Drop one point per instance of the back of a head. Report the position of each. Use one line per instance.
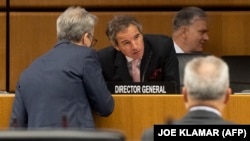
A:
(74, 22)
(186, 16)
(206, 78)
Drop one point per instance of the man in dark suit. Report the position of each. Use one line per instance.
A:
(63, 86)
(206, 92)
(156, 54)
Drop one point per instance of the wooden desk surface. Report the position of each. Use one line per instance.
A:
(134, 113)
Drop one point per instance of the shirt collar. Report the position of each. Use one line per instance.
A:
(129, 59)
(177, 48)
(206, 108)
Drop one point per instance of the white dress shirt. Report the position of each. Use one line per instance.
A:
(177, 48)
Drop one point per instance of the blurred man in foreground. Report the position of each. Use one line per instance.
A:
(206, 92)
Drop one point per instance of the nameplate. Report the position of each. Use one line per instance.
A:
(142, 87)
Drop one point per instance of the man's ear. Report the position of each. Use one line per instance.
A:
(184, 92)
(228, 93)
(184, 32)
(85, 35)
(185, 97)
(84, 38)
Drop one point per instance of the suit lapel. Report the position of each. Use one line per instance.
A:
(121, 67)
(146, 63)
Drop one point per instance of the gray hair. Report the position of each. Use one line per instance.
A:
(119, 23)
(75, 22)
(187, 16)
(206, 78)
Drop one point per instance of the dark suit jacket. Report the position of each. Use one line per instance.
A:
(159, 62)
(65, 82)
(197, 117)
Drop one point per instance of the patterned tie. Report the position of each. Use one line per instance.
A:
(135, 70)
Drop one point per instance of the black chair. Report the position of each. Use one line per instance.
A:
(183, 58)
(62, 135)
(239, 70)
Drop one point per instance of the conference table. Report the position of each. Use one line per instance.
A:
(135, 112)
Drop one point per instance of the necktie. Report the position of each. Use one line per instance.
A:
(135, 70)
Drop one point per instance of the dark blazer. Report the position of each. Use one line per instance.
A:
(159, 62)
(61, 88)
(197, 117)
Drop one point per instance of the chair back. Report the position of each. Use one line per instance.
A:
(239, 71)
(183, 58)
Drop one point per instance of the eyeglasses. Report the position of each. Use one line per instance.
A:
(93, 40)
